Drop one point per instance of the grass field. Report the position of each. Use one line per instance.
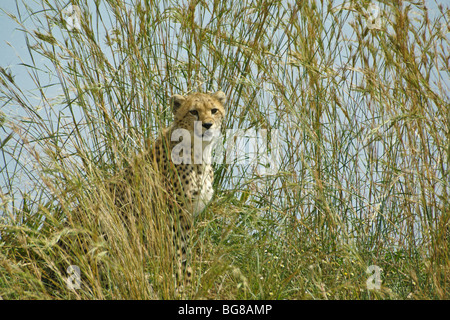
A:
(357, 208)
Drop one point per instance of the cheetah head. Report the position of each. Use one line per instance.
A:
(199, 113)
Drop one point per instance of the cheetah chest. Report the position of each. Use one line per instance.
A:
(198, 188)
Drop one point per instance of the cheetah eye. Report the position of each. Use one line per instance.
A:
(213, 111)
(194, 112)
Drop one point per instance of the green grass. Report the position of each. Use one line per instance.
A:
(362, 115)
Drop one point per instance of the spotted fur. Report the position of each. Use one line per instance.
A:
(182, 156)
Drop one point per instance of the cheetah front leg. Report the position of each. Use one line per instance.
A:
(181, 238)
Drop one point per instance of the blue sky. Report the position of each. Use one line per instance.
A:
(12, 41)
(13, 45)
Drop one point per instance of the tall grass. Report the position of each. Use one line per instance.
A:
(358, 94)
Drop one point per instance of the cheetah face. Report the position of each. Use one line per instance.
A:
(199, 113)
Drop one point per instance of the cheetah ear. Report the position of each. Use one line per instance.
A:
(175, 102)
(220, 96)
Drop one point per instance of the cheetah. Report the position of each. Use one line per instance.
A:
(181, 156)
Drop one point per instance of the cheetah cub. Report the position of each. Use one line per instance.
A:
(183, 157)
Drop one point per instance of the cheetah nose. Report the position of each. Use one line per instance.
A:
(207, 125)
